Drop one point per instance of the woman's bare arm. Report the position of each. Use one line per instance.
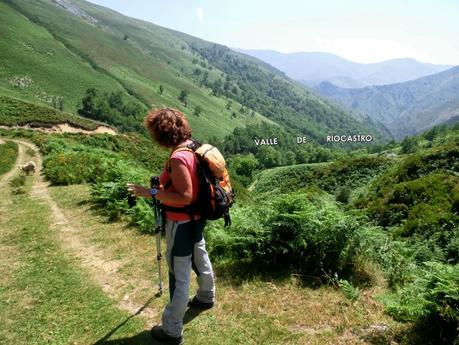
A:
(181, 181)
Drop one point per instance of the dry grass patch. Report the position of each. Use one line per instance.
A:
(114, 252)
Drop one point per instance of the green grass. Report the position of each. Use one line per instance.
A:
(8, 154)
(45, 298)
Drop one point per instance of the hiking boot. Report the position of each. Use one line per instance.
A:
(197, 304)
(158, 333)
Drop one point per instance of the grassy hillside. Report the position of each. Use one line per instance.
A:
(109, 52)
(48, 70)
(105, 62)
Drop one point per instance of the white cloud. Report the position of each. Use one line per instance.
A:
(200, 14)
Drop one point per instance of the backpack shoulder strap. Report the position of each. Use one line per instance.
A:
(192, 147)
(183, 148)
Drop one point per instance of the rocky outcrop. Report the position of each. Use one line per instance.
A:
(75, 10)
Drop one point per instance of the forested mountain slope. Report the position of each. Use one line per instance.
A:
(405, 108)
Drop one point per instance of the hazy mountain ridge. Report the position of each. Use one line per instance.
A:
(405, 108)
(312, 68)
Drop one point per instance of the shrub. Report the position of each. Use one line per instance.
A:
(343, 194)
(243, 240)
(78, 158)
(16, 113)
(17, 181)
(351, 173)
(425, 208)
(349, 291)
(394, 258)
(114, 198)
(8, 154)
(136, 148)
(410, 145)
(310, 233)
(441, 159)
(420, 197)
(432, 295)
(70, 167)
(306, 232)
(142, 215)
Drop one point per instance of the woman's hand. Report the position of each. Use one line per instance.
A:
(138, 191)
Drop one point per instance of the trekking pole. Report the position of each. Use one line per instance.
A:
(158, 226)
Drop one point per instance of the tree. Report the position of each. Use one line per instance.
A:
(217, 87)
(244, 165)
(391, 144)
(183, 97)
(161, 89)
(289, 158)
(409, 145)
(197, 110)
(115, 100)
(268, 156)
(226, 86)
(432, 134)
(88, 103)
(205, 77)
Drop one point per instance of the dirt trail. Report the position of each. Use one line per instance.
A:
(102, 270)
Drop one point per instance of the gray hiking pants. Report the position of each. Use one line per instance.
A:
(185, 250)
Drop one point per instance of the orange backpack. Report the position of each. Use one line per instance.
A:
(215, 196)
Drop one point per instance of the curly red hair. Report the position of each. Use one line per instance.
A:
(167, 126)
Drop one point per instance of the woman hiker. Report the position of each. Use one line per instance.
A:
(185, 245)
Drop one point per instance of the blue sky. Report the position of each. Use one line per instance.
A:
(360, 30)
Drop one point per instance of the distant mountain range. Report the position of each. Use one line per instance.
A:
(312, 68)
(404, 108)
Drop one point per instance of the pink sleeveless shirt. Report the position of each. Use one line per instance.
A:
(189, 160)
